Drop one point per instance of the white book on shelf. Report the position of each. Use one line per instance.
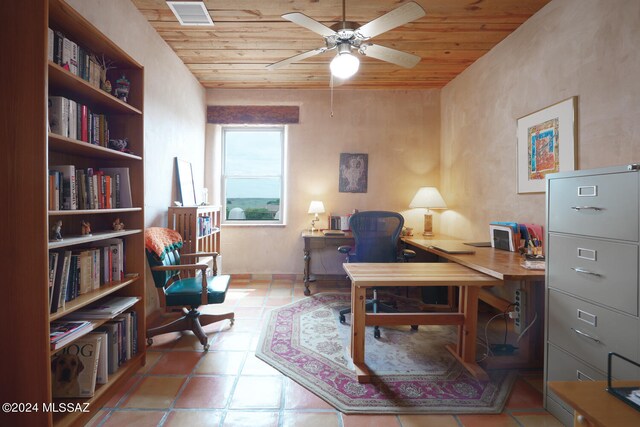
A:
(107, 308)
(59, 115)
(70, 196)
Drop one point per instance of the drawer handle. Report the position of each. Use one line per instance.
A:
(582, 270)
(579, 332)
(587, 208)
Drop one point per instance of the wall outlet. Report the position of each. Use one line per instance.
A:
(520, 318)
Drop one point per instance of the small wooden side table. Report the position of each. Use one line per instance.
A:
(593, 406)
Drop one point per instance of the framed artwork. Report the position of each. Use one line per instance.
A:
(186, 189)
(546, 144)
(353, 172)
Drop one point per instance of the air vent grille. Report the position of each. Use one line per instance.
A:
(190, 12)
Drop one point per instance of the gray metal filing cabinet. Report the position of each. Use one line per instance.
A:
(592, 295)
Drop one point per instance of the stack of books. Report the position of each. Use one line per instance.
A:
(63, 332)
(533, 262)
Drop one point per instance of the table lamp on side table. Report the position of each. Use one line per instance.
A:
(315, 207)
(429, 198)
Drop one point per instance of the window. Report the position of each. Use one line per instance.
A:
(253, 175)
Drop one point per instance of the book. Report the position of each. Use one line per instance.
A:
(123, 186)
(50, 40)
(111, 330)
(74, 368)
(62, 332)
(105, 309)
(59, 115)
(102, 376)
(69, 190)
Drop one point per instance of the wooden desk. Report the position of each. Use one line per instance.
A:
(367, 275)
(594, 406)
(317, 240)
(505, 266)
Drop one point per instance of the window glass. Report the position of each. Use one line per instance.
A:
(253, 175)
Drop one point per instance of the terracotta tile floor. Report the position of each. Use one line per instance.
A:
(228, 386)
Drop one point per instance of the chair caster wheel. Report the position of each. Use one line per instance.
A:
(376, 333)
(206, 347)
(414, 327)
(149, 341)
(231, 322)
(342, 319)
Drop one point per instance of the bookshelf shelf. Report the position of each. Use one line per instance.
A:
(63, 81)
(93, 296)
(93, 211)
(68, 145)
(94, 237)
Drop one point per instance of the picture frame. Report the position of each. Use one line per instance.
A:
(546, 144)
(186, 188)
(353, 172)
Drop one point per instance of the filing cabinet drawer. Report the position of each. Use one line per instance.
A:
(590, 332)
(596, 270)
(598, 205)
(565, 367)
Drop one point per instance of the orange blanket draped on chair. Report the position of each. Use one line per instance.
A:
(159, 240)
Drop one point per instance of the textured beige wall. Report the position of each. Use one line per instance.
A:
(584, 48)
(174, 108)
(400, 130)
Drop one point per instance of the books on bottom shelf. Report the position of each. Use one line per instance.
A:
(62, 332)
(107, 308)
(74, 368)
(91, 358)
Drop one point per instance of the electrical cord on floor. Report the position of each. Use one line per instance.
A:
(486, 343)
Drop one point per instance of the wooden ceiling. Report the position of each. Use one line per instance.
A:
(248, 35)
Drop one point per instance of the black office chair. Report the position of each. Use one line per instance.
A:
(376, 235)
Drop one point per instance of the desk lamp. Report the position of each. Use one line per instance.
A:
(429, 198)
(315, 207)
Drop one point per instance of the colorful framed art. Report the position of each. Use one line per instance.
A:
(546, 144)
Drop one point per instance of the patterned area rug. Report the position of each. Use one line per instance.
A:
(415, 373)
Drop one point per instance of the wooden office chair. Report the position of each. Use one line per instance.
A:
(178, 284)
(376, 235)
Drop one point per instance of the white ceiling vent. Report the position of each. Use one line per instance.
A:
(190, 12)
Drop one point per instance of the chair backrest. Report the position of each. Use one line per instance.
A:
(376, 235)
(161, 278)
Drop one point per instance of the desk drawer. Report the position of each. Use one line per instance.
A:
(591, 332)
(598, 205)
(599, 271)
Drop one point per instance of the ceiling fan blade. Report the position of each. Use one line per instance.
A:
(309, 23)
(296, 58)
(398, 57)
(397, 17)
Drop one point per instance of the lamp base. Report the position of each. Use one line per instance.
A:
(428, 225)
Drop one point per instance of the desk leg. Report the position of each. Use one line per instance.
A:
(358, 310)
(306, 275)
(465, 351)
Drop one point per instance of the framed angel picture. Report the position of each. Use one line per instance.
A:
(546, 144)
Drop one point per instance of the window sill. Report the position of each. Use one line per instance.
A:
(251, 224)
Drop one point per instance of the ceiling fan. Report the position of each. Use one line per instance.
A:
(347, 37)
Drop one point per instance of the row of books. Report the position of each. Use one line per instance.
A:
(73, 120)
(76, 272)
(91, 358)
(204, 226)
(339, 222)
(104, 188)
(76, 59)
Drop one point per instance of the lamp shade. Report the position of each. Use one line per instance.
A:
(316, 207)
(428, 197)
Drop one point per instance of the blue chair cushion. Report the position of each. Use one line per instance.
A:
(188, 291)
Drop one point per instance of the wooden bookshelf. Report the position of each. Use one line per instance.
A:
(29, 152)
(186, 221)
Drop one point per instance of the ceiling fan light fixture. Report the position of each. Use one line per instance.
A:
(345, 64)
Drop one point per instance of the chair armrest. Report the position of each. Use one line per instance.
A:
(408, 254)
(179, 267)
(199, 254)
(345, 249)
